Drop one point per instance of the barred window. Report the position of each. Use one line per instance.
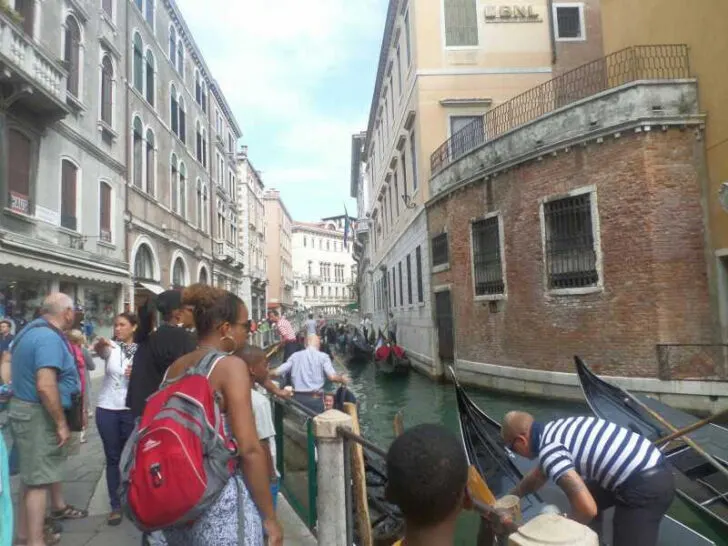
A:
(571, 259)
(420, 288)
(461, 23)
(409, 279)
(568, 22)
(487, 265)
(439, 250)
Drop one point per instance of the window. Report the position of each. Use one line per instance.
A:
(404, 172)
(26, 9)
(172, 44)
(139, 3)
(329, 291)
(205, 210)
(20, 148)
(182, 119)
(465, 133)
(306, 290)
(138, 64)
(394, 287)
(173, 110)
(571, 260)
(107, 85)
(72, 55)
(461, 23)
(181, 58)
(396, 191)
(174, 183)
(569, 22)
(399, 68)
(69, 186)
(487, 265)
(401, 286)
(150, 78)
(144, 263)
(104, 212)
(149, 13)
(198, 87)
(178, 273)
(198, 203)
(151, 162)
(203, 276)
(328, 243)
(409, 279)
(418, 266)
(413, 156)
(198, 141)
(137, 136)
(408, 38)
(204, 148)
(183, 190)
(439, 250)
(391, 207)
(305, 242)
(106, 5)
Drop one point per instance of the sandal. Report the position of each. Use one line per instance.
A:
(69, 512)
(114, 519)
(51, 530)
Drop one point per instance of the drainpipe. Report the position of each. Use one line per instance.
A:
(552, 35)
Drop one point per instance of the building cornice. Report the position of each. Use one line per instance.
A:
(91, 148)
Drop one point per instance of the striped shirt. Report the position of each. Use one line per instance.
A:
(285, 330)
(598, 450)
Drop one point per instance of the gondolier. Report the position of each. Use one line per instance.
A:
(597, 464)
(286, 331)
(309, 370)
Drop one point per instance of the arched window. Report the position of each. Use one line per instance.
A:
(178, 273)
(72, 55)
(183, 189)
(198, 87)
(69, 188)
(150, 161)
(198, 204)
(150, 77)
(205, 210)
(107, 89)
(149, 13)
(174, 183)
(181, 58)
(144, 263)
(139, 3)
(172, 44)
(204, 147)
(198, 141)
(138, 64)
(203, 276)
(204, 97)
(173, 110)
(138, 134)
(182, 119)
(105, 212)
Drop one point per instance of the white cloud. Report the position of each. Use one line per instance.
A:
(271, 59)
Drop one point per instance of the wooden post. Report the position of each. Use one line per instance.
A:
(398, 424)
(358, 475)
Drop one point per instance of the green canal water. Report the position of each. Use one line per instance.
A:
(424, 401)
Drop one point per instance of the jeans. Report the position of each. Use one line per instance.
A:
(314, 403)
(274, 488)
(115, 427)
(640, 504)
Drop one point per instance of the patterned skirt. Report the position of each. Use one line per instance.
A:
(219, 526)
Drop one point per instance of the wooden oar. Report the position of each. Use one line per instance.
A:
(272, 351)
(478, 489)
(699, 450)
(398, 424)
(690, 428)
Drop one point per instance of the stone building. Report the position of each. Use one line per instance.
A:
(362, 249)
(324, 271)
(278, 253)
(63, 153)
(181, 207)
(252, 235)
(579, 229)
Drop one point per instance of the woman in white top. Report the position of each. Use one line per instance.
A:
(113, 417)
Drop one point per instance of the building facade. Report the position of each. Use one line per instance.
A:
(324, 271)
(62, 158)
(430, 96)
(278, 257)
(362, 247)
(252, 235)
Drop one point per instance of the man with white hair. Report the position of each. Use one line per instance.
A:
(309, 370)
(45, 379)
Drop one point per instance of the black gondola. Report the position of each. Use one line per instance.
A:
(503, 469)
(697, 481)
(359, 348)
(389, 362)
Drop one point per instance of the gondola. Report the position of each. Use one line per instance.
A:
(697, 481)
(359, 349)
(392, 360)
(503, 469)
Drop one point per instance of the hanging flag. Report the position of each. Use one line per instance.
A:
(346, 225)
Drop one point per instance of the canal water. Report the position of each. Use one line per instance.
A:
(424, 401)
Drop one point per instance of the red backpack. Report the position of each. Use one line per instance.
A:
(179, 457)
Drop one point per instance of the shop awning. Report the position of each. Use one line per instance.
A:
(154, 288)
(62, 269)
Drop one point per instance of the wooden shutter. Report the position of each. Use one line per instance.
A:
(105, 212)
(19, 152)
(69, 174)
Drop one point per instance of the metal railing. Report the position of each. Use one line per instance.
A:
(650, 62)
(698, 361)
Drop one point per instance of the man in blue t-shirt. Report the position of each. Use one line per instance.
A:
(45, 378)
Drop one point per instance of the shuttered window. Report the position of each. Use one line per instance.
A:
(138, 136)
(20, 149)
(107, 82)
(150, 91)
(150, 162)
(420, 288)
(138, 64)
(69, 179)
(26, 9)
(105, 212)
(72, 55)
(461, 23)
(174, 110)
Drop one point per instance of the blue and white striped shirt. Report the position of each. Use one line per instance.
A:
(598, 450)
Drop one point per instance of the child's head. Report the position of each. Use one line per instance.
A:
(256, 360)
(328, 401)
(427, 475)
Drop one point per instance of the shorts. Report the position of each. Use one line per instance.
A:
(34, 434)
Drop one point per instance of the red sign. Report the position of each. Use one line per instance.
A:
(19, 203)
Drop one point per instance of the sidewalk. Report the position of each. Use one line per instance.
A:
(85, 487)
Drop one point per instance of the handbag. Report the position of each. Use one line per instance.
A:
(74, 414)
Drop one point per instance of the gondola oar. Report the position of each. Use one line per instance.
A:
(272, 351)
(478, 489)
(690, 428)
(699, 450)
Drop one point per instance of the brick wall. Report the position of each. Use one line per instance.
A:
(653, 262)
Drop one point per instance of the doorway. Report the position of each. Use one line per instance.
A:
(444, 321)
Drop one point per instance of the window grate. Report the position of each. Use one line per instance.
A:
(461, 23)
(570, 254)
(568, 20)
(487, 266)
(439, 250)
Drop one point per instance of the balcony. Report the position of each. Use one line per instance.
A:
(638, 63)
(37, 81)
(311, 279)
(224, 251)
(239, 258)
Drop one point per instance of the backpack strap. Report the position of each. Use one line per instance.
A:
(207, 363)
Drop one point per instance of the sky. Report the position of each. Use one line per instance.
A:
(299, 77)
